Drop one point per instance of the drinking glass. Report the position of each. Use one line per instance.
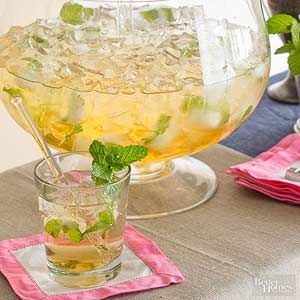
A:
(176, 76)
(83, 223)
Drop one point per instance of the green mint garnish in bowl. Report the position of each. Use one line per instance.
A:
(163, 13)
(75, 14)
(162, 124)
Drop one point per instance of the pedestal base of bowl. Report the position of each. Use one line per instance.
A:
(173, 187)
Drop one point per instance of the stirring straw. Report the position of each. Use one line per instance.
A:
(26, 118)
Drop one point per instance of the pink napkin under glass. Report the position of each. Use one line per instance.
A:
(266, 173)
(144, 267)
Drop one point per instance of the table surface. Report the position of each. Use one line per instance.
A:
(220, 247)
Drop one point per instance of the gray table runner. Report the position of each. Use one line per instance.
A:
(220, 247)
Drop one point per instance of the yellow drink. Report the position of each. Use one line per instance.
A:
(150, 86)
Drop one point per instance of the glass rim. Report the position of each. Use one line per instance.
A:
(102, 186)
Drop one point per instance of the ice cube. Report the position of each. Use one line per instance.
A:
(207, 119)
(184, 15)
(164, 140)
(82, 142)
(217, 65)
(130, 73)
(212, 116)
(215, 93)
(148, 17)
(64, 72)
(106, 18)
(172, 56)
(73, 110)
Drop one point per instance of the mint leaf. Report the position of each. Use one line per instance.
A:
(41, 41)
(95, 227)
(288, 47)
(247, 112)
(77, 128)
(168, 14)
(110, 158)
(164, 13)
(295, 30)
(162, 125)
(13, 92)
(150, 15)
(75, 235)
(128, 155)
(38, 39)
(71, 228)
(280, 23)
(98, 151)
(102, 173)
(294, 62)
(54, 227)
(106, 220)
(191, 102)
(68, 225)
(75, 14)
(188, 52)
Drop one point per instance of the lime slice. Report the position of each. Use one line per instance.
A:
(206, 115)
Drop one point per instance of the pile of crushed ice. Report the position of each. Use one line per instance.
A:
(113, 50)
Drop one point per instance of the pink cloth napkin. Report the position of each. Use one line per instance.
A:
(22, 262)
(266, 172)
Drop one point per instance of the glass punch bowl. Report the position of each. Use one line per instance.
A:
(174, 76)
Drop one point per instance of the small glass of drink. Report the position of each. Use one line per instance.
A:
(83, 223)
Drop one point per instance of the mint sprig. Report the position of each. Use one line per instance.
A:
(13, 92)
(288, 47)
(77, 128)
(282, 23)
(162, 124)
(41, 41)
(55, 227)
(191, 102)
(108, 159)
(247, 112)
(106, 220)
(75, 14)
(165, 13)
